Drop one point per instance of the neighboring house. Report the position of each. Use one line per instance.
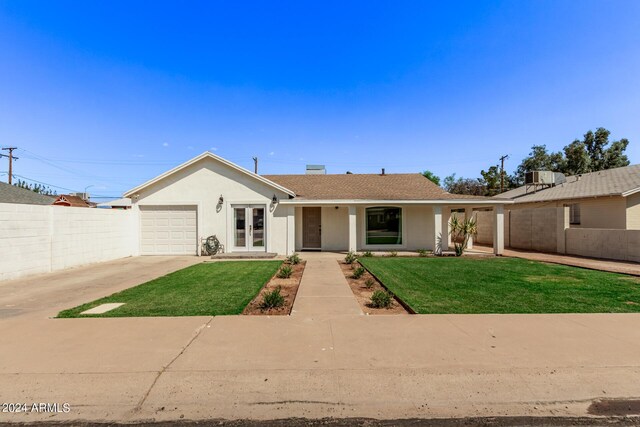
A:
(116, 204)
(73, 201)
(12, 194)
(285, 213)
(604, 199)
(594, 214)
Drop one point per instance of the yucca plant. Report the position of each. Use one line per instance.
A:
(461, 231)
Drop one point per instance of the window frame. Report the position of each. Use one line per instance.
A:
(402, 243)
(574, 214)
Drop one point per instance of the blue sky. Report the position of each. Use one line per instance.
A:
(110, 94)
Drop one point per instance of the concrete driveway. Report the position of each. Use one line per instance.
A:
(421, 366)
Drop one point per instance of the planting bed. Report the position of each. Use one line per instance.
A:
(363, 294)
(289, 289)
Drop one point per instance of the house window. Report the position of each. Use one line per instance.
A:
(574, 213)
(384, 226)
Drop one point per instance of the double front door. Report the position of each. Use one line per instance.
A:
(249, 228)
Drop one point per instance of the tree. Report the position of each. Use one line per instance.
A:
(431, 177)
(36, 188)
(491, 180)
(577, 158)
(461, 185)
(594, 153)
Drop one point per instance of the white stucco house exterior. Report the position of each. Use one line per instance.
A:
(281, 214)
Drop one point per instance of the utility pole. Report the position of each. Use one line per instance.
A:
(255, 165)
(11, 159)
(502, 159)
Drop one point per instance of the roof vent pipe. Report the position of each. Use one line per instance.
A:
(382, 171)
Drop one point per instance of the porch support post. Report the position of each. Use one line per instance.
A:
(353, 236)
(498, 230)
(437, 230)
(291, 230)
(446, 236)
(468, 214)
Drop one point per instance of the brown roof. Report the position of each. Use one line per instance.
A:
(68, 200)
(611, 182)
(403, 186)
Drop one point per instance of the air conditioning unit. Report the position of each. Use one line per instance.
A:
(540, 178)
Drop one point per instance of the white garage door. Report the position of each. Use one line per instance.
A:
(168, 230)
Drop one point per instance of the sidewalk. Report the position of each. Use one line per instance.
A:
(323, 289)
(576, 261)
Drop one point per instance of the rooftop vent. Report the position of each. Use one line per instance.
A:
(316, 170)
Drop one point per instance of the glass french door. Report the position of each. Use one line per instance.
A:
(249, 232)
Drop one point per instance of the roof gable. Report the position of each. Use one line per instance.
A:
(212, 156)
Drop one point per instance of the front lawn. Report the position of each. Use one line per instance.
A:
(207, 289)
(503, 285)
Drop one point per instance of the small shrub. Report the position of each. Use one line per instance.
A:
(392, 253)
(423, 252)
(381, 299)
(358, 272)
(285, 272)
(367, 254)
(369, 283)
(351, 257)
(272, 299)
(294, 259)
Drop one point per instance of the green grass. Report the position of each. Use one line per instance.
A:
(504, 285)
(206, 289)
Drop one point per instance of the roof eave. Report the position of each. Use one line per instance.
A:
(479, 202)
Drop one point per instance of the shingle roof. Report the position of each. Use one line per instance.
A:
(13, 194)
(69, 200)
(409, 186)
(611, 182)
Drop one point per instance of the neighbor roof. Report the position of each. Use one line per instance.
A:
(406, 186)
(69, 200)
(12, 194)
(622, 181)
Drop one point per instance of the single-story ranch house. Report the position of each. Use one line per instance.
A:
(209, 195)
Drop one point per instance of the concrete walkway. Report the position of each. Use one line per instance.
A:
(575, 261)
(323, 289)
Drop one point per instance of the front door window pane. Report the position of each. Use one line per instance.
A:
(240, 229)
(258, 227)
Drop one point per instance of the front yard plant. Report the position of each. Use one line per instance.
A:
(503, 285)
(381, 299)
(205, 289)
(272, 299)
(293, 259)
(285, 272)
(351, 257)
(358, 272)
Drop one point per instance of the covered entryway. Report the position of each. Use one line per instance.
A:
(168, 230)
(311, 228)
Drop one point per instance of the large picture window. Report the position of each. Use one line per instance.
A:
(384, 226)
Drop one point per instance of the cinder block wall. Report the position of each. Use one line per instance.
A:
(40, 239)
(623, 245)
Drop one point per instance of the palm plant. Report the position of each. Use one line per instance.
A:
(461, 231)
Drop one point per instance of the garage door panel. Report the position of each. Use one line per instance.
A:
(168, 230)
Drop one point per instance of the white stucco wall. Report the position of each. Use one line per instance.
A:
(40, 239)
(202, 183)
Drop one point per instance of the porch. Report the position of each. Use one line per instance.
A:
(381, 226)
